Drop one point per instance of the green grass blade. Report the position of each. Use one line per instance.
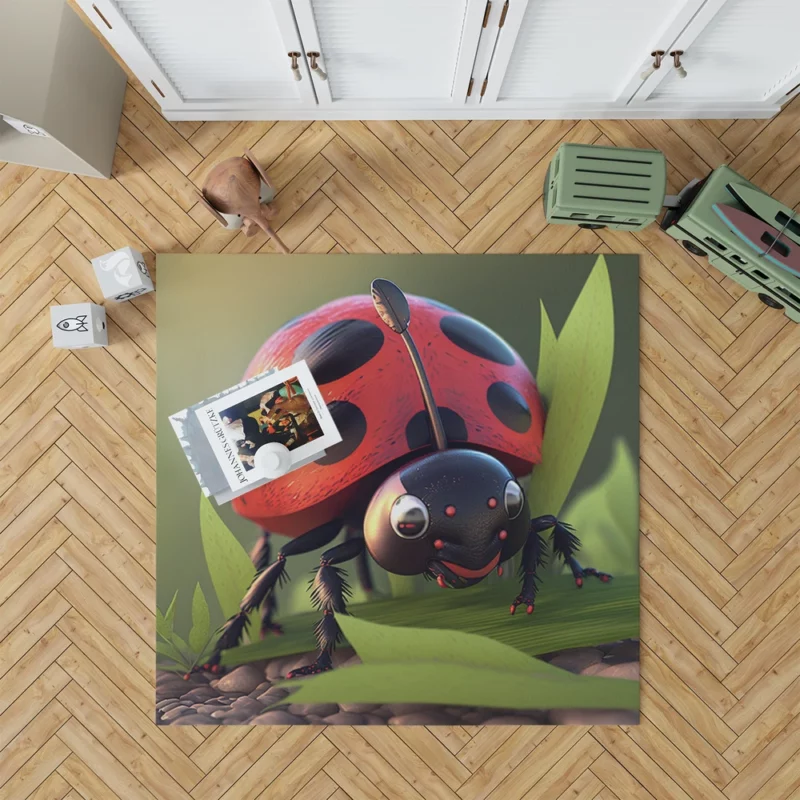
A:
(459, 684)
(564, 617)
(228, 563)
(165, 622)
(201, 622)
(585, 352)
(548, 358)
(607, 516)
(386, 644)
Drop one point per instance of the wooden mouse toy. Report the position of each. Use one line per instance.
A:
(234, 189)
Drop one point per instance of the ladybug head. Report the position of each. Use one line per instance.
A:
(454, 514)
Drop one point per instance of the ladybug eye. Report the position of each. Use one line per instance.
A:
(409, 517)
(514, 499)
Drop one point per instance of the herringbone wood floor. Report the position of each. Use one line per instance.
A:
(720, 410)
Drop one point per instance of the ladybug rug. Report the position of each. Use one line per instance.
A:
(463, 548)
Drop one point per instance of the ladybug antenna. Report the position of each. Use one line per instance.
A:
(392, 307)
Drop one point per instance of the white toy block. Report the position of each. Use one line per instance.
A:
(122, 275)
(78, 326)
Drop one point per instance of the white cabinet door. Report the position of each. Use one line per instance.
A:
(743, 51)
(579, 53)
(390, 54)
(208, 54)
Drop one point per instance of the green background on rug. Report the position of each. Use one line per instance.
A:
(214, 312)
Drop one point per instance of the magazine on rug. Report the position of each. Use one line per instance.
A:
(255, 431)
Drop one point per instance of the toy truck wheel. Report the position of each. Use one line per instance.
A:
(592, 226)
(693, 248)
(769, 301)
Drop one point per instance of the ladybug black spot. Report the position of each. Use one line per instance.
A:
(419, 433)
(476, 338)
(352, 424)
(339, 348)
(509, 406)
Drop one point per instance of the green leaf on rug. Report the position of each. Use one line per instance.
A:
(607, 515)
(165, 622)
(548, 358)
(585, 352)
(415, 665)
(387, 644)
(228, 563)
(565, 617)
(201, 622)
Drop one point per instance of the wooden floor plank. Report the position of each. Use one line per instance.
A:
(719, 471)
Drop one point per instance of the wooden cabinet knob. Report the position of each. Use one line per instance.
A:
(321, 74)
(295, 66)
(657, 56)
(676, 58)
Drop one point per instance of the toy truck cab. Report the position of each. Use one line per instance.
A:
(702, 232)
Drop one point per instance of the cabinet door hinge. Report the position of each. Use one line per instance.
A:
(503, 15)
(487, 12)
(483, 88)
(469, 88)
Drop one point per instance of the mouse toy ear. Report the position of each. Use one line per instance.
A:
(217, 216)
(258, 168)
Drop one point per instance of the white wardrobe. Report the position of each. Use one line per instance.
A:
(426, 59)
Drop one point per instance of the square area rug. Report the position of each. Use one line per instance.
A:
(464, 553)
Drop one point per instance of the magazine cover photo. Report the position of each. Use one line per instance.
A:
(281, 414)
(456, 539)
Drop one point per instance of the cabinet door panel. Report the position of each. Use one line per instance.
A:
(384, 52)
(583, 51)
(207, 53)
(748, 51)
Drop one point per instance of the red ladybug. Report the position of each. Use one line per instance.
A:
(436, 427)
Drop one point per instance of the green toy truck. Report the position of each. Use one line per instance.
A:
(605, 187)
(624, 189)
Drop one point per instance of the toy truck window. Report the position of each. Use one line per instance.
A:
(786, 293)
(714, 243)
(792, 225)
(778, 246)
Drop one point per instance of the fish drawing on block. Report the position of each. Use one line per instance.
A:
(77, 324)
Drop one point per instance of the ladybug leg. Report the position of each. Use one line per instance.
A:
(261, 556)
(330, 593)
(264, 584)
(362, 559)
(565, 545)
(534, 555)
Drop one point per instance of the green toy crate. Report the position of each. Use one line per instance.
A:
(598, 187)
(702, 232)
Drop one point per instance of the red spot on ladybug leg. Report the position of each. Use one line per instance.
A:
(186, 676)
(530, 608)
(492, 502)
(604, 578)
(579, 582)
(215, 668)
(513, 609)
(439, 545)
(440, 580)
(503, 535)
(450, 511)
